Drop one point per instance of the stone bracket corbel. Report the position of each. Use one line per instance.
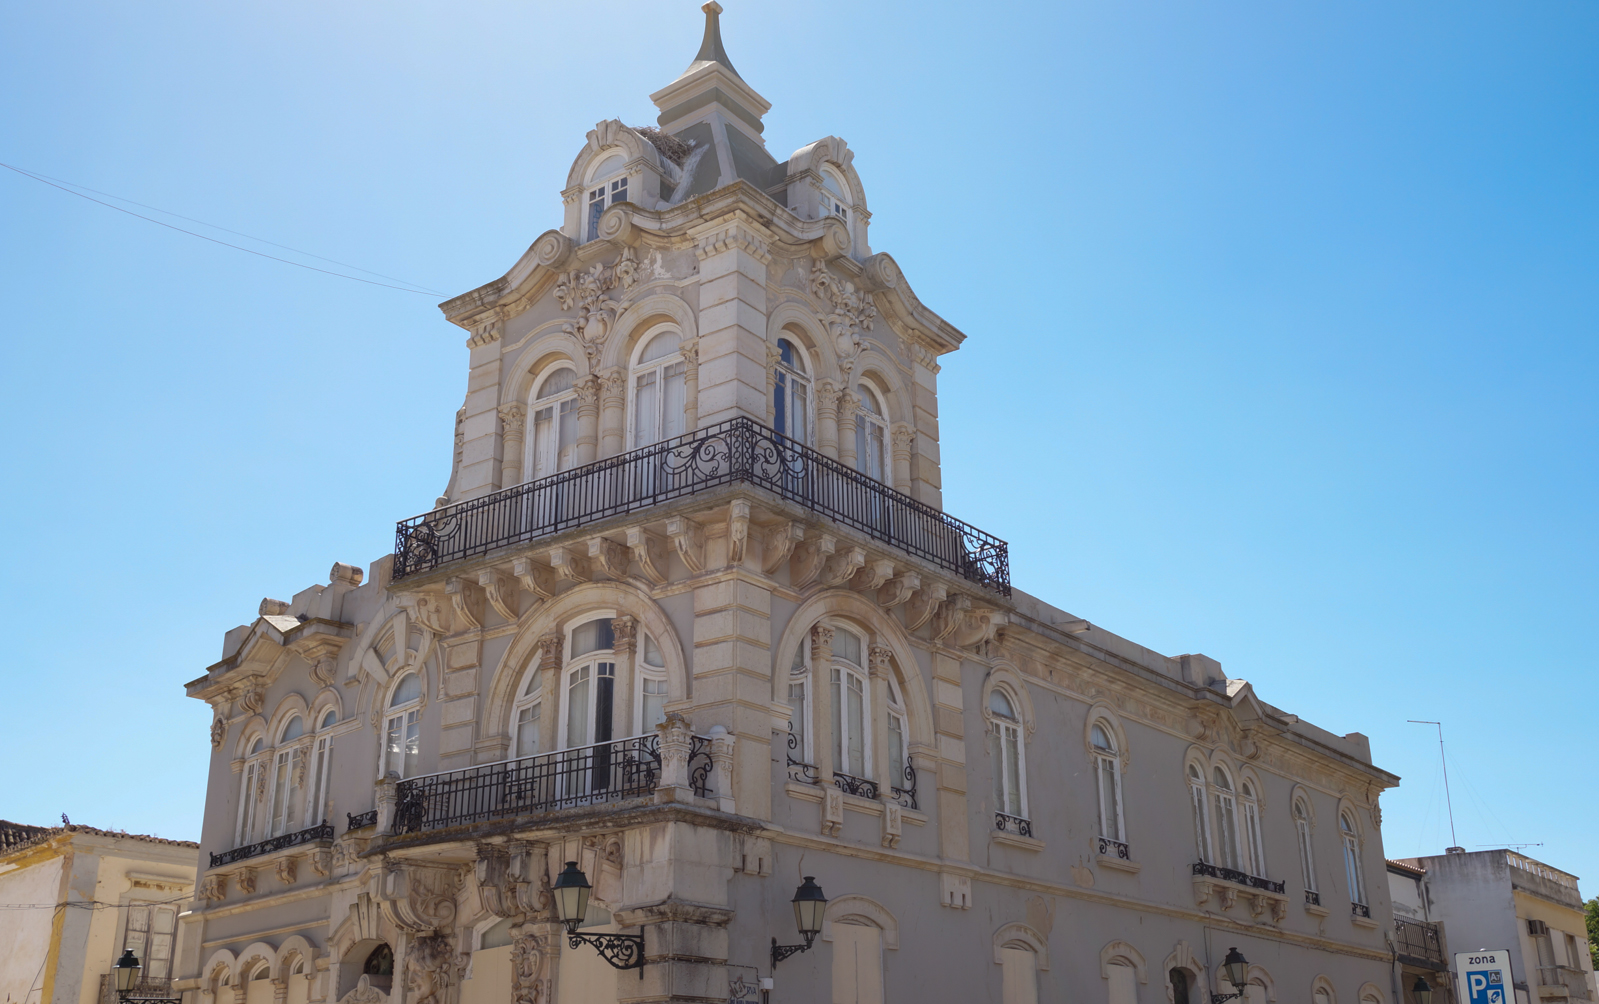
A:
(649, 550)
(872, 575)
(738, 530)
(923, 604)
(610, 557)
(689, 539)
(536, 578)
(840, 568)
(979, 625)
(949, 616)
(467, 599)
(569, 564)
(898, 589)
(780, 542)
(809, 557)
(500, 591)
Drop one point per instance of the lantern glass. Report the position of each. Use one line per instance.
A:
(127, 971)
(1422, 990)
(1236, 967)
(571, 890)
(809, 905)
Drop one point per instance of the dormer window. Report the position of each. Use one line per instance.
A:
(834, 200)
(614, 190)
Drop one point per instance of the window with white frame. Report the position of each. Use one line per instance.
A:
(316, 803)
(149, 935)
(799, 677)
(605, 192)
(791, 393)
(1007, 754)
(835, 200)
(553, 445)
(1307, 857)
(659, 390)
(1224, 811)
(249, 795)
(402, 727)
(527, 719)
(651, 702)
(871, 433)
(898, 729)
(1107, 766)
(1196, 798)
(1255, 863)
(1352, 870)
(851, 707)
(283, 786)
(589, 684)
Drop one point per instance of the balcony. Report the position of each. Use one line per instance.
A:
(1420, 944)
(737, 451)
(146, 990)
(307, 836)
(1208, 870)
(572, 778)
(1562, 983)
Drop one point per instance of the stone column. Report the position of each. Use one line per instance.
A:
(626, 647)
(822, 701)
(513, 420)
(388, 799)
(878, 670)
(677, 742)
(550, 647)
(902, 436)
(613, 412)
(827, 418)
(722, 760)
(588, 419)
(848, 403)
(691, 384)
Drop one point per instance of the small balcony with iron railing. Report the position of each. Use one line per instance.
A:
(611, 772)
(1563, 983)
(1420, 943)
(739, 451)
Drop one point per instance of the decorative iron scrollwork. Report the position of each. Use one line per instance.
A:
(1234, 875)
(622, 951)
(851, 785)
(322, 831)
(362, 819)
(906, 796)
(1006, 823)
(1109, 847)
(699, 766)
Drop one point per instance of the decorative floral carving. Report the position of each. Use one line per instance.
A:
(219, 731)
(302, 757)
(585, 290)
(253, 700)
(364, 993)
(246, 879)
(529, 985)
(214, 888)
(428, 966)
(852, 311)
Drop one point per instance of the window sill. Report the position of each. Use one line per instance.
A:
(1369, 923)
(866, 806)
(1016, 840)
(1317, 911)
(1120, 864)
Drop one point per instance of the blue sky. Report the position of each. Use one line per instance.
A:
(1296, 303)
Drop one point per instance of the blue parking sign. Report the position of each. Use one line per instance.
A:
(1484, 977)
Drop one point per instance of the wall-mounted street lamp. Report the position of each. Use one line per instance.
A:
(809, 905)
(1422, 990)
(1236, 968)
(126, 972)
(571, 889)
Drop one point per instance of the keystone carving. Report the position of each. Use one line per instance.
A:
(809, 557)
(649, 550)
(738, 530)
(500, 590)
(585, 290)
(467, 599)
(923, 603)
(689, 539)
(536, 578)
(252, 700)
(610, 557)
(780, 542)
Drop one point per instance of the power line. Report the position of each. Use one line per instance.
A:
(355, 278)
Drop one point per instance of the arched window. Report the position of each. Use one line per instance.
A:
(553, 445)
(799, 678)
(1007, 754)
(1253, 844)
(317, 808)
(283, 787)
(1352, 869)
(791, 394)
(250, 795)
(898, 728)
(1108, 770)
(605, 190)
(1179, 986)
(589, 684)
(871, 433)
(851, 711)
(527, 718)
(1018, 974)
(402, 727)
(651, 701)
(1224, 809)
(1196, 796)
(1307, 859)
(835, 199)
(659, 388)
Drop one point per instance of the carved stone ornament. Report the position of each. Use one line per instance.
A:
(586, 291)
(851, 312)
(302, 757)
(214, 888)
(246, 879)
(509, 879)
(288, 870)
(219, 731)
(252, 700)
(419, 898)
(428, 968)
(529, 982)
(364, 993)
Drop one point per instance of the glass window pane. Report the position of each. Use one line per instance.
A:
(527, 731)
(896, 750)
(595, 636)
(857, 728)
(847, 646)
(674, 389)
(796, 701)
(577, 708)
(408, 690)
(413, 735)
(654, 710)
(646, 409)
(294, 730)
(1013, 772)
(838, 724)
(1000, 705)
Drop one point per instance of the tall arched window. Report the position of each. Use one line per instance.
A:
(249, 795)
(402, 727)
(1007, 754)
(590, 684)
(553, 445)
(1224, 809)
(851, 711)
(1352, 870)
(1307, 859)
(651, 701)
(527, 719)
(791, 394)
(283, 787)
(1196, 797)
(1253, 844)
(659, 388)
(799, 678)
(871, 433)
(898, 729)
(316, 804)
(1108, 771)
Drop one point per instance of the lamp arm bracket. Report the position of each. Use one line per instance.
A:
(622, 951)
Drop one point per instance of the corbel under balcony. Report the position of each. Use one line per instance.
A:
(1228, 888)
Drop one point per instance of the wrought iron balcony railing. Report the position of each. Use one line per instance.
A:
(1359, 910)
(361, 820)
(1006, 823)
(1234, 875)
(1312, 897)
(1419, 943)
(1115, 848)
(322, 831)
(738, 450)
(587, 775)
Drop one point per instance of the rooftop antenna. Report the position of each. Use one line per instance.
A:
(1513, 847)
(1447, 799)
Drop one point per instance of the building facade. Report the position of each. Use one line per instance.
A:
(690, 614)
(75, 898)
(1421, 945)
(1502, 899)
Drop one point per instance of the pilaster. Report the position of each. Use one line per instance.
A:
(613, 412)
(732, 679)
(479, 470)
(732, 318)
(954, 830)
(822, 702)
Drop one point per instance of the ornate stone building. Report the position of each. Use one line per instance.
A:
(690, 615)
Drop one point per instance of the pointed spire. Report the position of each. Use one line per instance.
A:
(711, 50)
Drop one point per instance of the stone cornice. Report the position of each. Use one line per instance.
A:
(266, 639)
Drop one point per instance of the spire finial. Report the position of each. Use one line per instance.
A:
(711, 50)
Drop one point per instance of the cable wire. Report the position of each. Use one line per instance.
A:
(355, 278)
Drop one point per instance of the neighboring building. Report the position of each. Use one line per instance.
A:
(73, 898)
(690, 615)
(1500, 899)
(1421, 951)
